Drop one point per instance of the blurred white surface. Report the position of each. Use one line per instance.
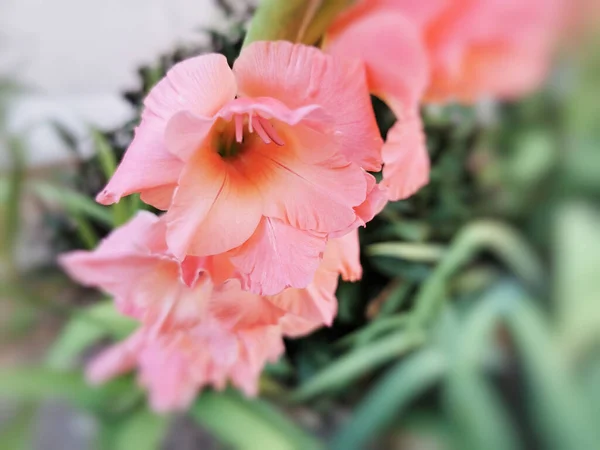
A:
(74, 57)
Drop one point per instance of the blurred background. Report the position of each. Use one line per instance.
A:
(476, 324)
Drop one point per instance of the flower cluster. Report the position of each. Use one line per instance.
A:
(264, 174)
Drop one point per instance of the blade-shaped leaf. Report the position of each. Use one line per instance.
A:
(86, 328)
(503, 241)
(249, 424)
(73, 202)
(557, 406)
(302, 21)
(359, 362)
(401, 384)
(471, 403)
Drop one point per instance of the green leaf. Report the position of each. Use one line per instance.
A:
(86, 232)
(577, 256)
(15, 433)
(39, 383)
(142, 430)
(302, 21)
(108, 164)
(402, 384)
(249, 424)
(86, 328)
(106, 154)
(504, 242)
(479, 416)
(11, 207)
(73, 202)
(359, 362)
(408, 251)
(558, 409)
(374, 329)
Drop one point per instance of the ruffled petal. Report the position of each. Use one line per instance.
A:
(278, 256)
(299, 75)
(147, 167)
(310, 308)
(406, 168)
(308, 189)
(202, 85)
(342, 256)
(392, 50)
(214, 208)
(116, 360)
(238, 309)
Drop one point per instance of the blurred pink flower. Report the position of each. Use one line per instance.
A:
(476, 48)
(147, 283)
(393, 52)
(198, 326)
(438, 51)
(174, 366)
(266, 160)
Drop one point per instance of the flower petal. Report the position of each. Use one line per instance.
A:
(278, 256)
(406, 168)
(214, 208)
(299, 75)
(308, 189)
(238, 309)
(343, 256)
(309, 308)
(392, 50)
(202, 85)
(115, 360)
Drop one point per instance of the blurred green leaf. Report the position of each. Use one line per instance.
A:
(380, 326)
(86, 328)
(407, 251)
(106, 154)
(11, 208)
(359, 362)
(303, 21)
(562, 417)
(481, 419)
(249, 424)
(403, 383)
(108, 164)
(577, 256)
(73, 202)
(86, 232)
(39, 383)
(504, 242)
(15, 433)
(142, 430)
(396, 298)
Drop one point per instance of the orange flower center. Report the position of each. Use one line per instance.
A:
(242, 130)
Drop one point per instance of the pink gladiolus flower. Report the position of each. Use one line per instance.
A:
(174, 366)
(263, 162)
(199, 327)
(441, 50)
(395, 57)
(475, 48)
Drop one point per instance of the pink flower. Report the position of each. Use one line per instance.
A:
(393, 52)
(441, 50)
(199, 327)
(264, 161)
(475, 48)
(174, 366)
(147, 283)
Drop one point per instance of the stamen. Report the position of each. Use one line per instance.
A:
(270, 131)
(261, 131)
(239, 128)
(250, 121)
